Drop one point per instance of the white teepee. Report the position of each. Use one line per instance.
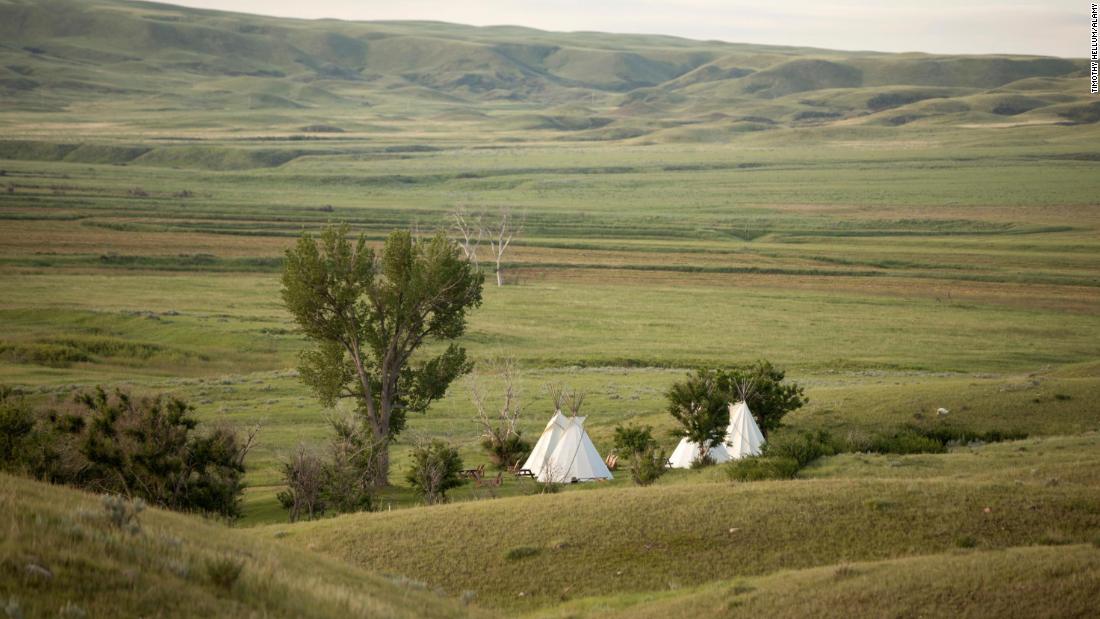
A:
(687, 452)
(574, 457)
(743, 439)
(557, 426)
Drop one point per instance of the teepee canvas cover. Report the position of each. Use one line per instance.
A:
(536, 462)
(574, 457)
(686, 452)
(743, 439)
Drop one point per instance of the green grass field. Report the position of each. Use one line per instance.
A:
(900, 232)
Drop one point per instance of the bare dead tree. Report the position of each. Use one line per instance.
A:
(305, 479)
(498, 418)
(498, 422)
(248, 442)
(501, 231)
(469, 229)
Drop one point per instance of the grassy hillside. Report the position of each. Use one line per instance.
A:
(690, 530)
(143, 65)
(901, 232)
(1035, 582)
(60, 555)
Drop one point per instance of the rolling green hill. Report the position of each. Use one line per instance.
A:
(60, 551)
(537, 551)
(175, 72)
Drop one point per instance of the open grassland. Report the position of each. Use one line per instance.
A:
(680, 534)
(886, 287)
(222, 342)
(901, 232)
(60, 550)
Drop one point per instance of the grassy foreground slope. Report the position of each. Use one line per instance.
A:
(530, 552)
(58, 550)
(1048, 581)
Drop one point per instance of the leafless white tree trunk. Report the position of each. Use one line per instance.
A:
(470, 229)
(501, 232)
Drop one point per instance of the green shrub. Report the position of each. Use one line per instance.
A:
(633, 439)
(122, 513)
(702, 462)
(504, 454)
(520, 552)
(224, 572)
(802, 447)
(1054, 537)
(948, 435)
(648, 466)
(435, 469)
(304, 476)
(647, 463)
(966, 541)
(349, 472)
(149, 448)
(762, 468)
(906, 442)
(545, 487)
(49, 355)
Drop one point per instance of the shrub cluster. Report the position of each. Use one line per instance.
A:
(762, 468)
(148, 448)
(784, 455)
(505, 453)
(435, 470)
(340, 483)
(647, 462)
(915, 439)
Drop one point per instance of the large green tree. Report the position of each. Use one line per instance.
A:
(699, 404)
(763, 387)
(369, 314)
(701, 401)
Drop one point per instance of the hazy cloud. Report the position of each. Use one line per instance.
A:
(1055, 27)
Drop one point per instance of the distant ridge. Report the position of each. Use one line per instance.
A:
(145, 58)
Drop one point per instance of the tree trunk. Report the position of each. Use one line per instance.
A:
(380, 475)
(500, 276)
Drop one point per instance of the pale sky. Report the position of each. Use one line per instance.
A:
(1051, 27)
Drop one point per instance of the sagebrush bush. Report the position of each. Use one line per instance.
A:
(223, 572)
(122, 513)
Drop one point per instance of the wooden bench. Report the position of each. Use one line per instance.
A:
(493, 482)
(518, 471)
(475, 474)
